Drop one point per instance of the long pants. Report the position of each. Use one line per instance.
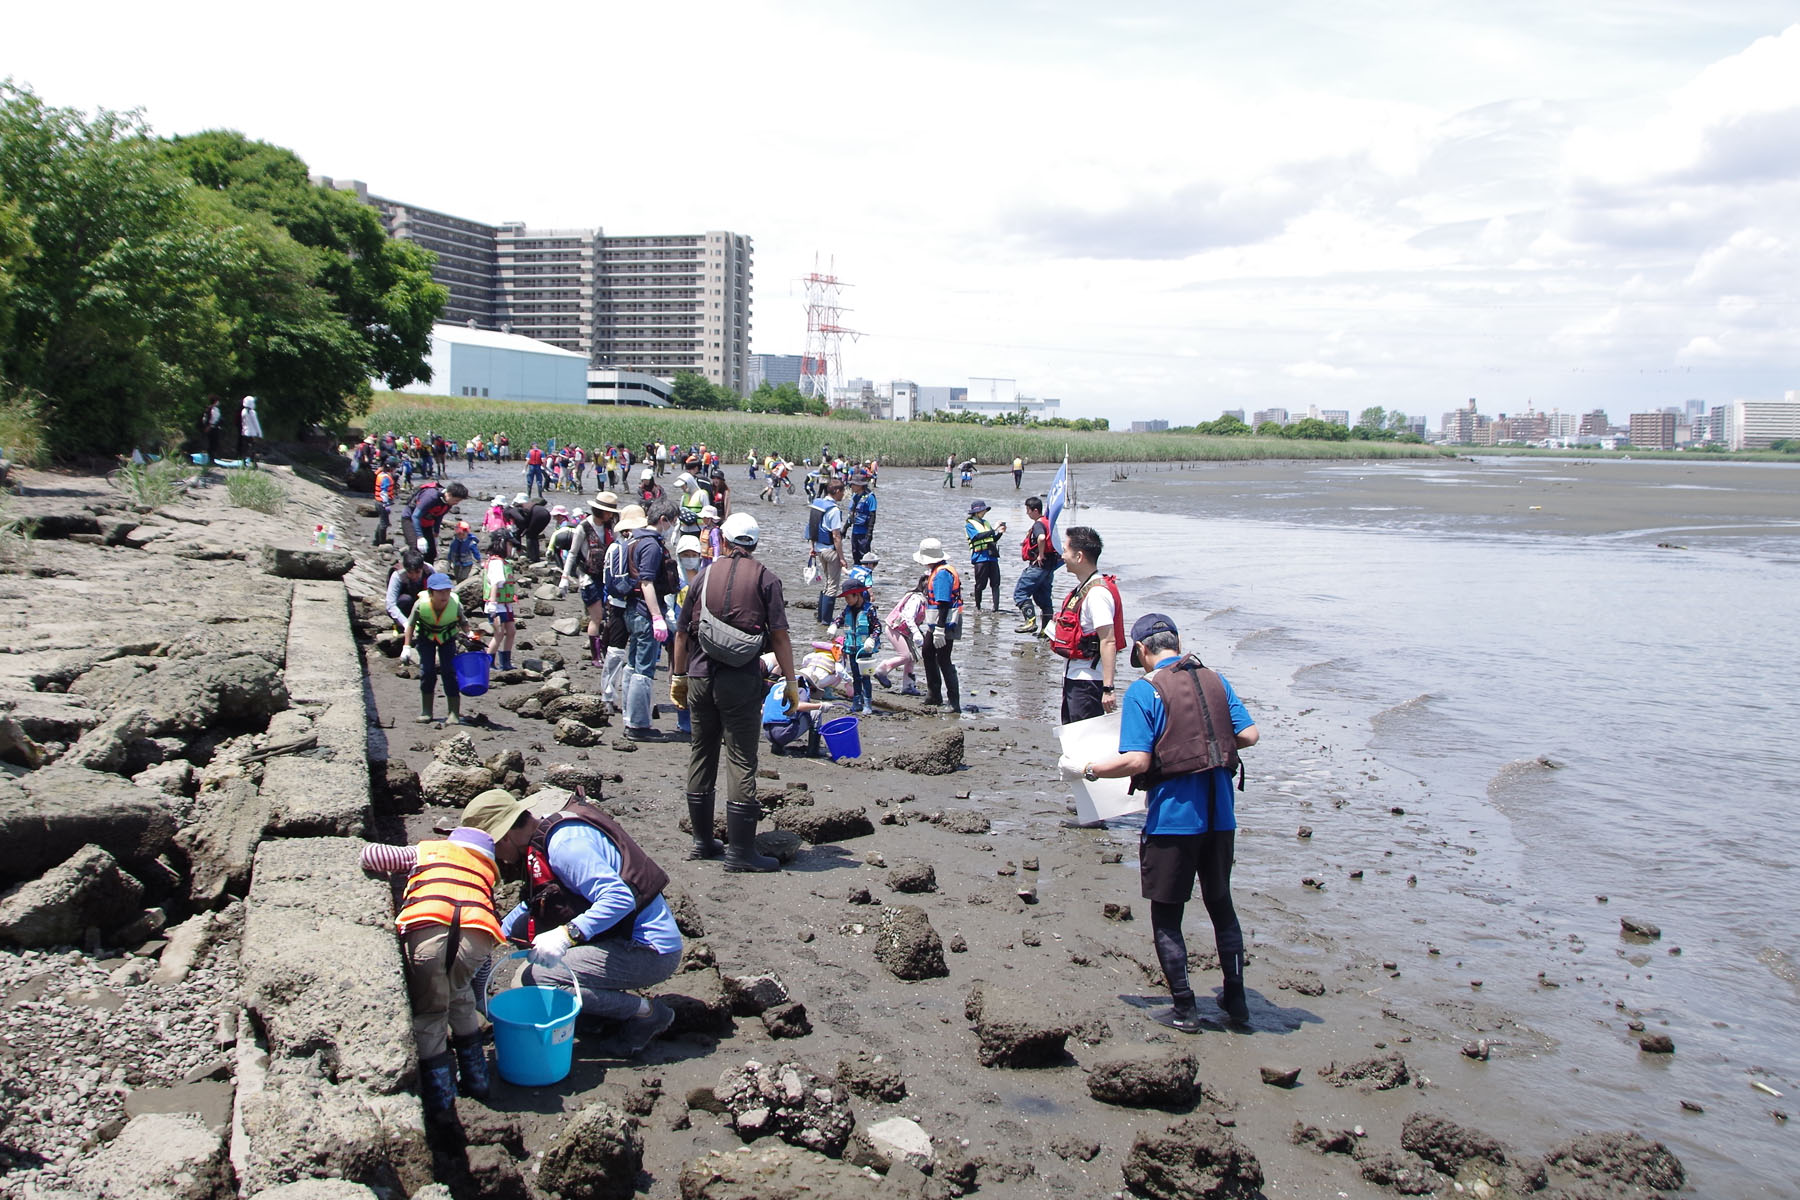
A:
(1214, 872)
(383, 512)
(726, 709)
(534, 480)
(641, 652)
(1033, 589)
(442, 1003)
(435, 659)
(940, 674)
(831, 581)
(862, 684)
(987, 575)
(860, 544)
(610, 969)
(1016, 476)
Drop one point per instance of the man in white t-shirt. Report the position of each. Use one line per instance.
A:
(1088, 678)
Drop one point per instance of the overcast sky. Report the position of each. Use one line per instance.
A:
(1147, 209)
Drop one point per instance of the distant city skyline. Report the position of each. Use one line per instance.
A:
(1151, 210)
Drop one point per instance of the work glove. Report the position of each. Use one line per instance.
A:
(939, 638)
(547, 949)
(790, 695)
(562, 591)
(659, 627)
(421, 545)
(1069, 768)
(678, 689)
(836, 631)
(410, 656)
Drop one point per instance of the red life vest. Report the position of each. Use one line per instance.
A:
(1066, 640)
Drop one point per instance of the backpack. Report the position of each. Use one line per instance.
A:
(667, 583)
(615, 576)
(1066, 639)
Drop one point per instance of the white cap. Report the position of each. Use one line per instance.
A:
(684, 480)
(741, 529)
(689, 544)
(646, 473)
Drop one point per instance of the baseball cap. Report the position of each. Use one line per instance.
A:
(741, 529)
(439, 582)
(494, 812)
(1146, 627)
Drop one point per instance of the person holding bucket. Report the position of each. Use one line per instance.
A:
(450, 930)
(435, 619)
(501, 593)
(593, 910)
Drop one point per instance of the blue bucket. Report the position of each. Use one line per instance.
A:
(841, 738)
(472, 672)
(534, 1034)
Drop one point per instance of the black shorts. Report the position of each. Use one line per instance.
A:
(1168, 863)
(614, 635)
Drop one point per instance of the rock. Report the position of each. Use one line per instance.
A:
(787, 1021)
(18, 747)
(596, 1157)
(1406, 1174)
(899, 1139)
(567, 626)
(770, 1171)
(574, 733)
(577, 706)
(188, 941)
(1623, 1157)
(50, 814)
(159, 1156)
(872, 1077)
(1283, 1077)
(908, 946)
(1015, 1030)
(685, 911)
(1324, 1141)
(913, 877)
(190, 696)
(455, 774)
(300, 1123)
(1116, 912)
(210, 1100)
(701, 1005)
(569, 776)
(168, 779)
(962, 821)
(939, 754)
(1450, 1147)
(307, 564)
(751, 994)
(89, 890)
(1656, 1043)
(818, 825)
(328, 1189)
(788, 1101)
(1301, 982)
(1189, 1160)
(1078, 1149)
(221, 842)
(778, 844)
(1146, 1081)
(1635, 929)
(1379, 1074)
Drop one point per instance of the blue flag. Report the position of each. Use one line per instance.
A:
(1053, 503)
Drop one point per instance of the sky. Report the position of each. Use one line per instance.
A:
(1146, 209)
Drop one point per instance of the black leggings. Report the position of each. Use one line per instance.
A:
(1213, 869)
(940, 674)
(435, 659)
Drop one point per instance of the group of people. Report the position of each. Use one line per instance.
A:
(250, 429)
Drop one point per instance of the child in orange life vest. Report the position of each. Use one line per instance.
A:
(500, 593)
(450, 929)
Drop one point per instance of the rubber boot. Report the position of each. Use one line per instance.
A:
(472, 1076)
(700, 815)
(506, 660)
(827, 607)
(1231, 999)
(425, 717)
(740, 828)
(594, 650)
(455, 715)
(1027, 619)
(437, 1084)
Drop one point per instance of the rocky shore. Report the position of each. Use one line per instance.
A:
(944, 991)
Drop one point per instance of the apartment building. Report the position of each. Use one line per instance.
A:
(546, 284)
(1653, 431)
(1757, 424)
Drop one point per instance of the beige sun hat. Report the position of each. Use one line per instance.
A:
(605, 502)
(930, 551)
(631, 517)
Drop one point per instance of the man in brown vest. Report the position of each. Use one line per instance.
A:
(1181, 727)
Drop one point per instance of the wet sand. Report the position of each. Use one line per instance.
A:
(1318, 995)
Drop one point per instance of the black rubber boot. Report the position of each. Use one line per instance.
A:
(740, 829)
(700, 815)
(472, 1066)
(437, 1084)
(1231, 999)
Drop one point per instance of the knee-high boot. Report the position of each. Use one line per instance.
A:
(700, 815)
(740, 827)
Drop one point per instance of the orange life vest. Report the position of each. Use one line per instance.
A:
(453, 885)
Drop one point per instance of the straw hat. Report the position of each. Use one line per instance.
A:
(631, 517)
(930, 552)
(607, 502)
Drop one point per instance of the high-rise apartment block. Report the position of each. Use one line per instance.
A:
(657, 305)
(1653, 431)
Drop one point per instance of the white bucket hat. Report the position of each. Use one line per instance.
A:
(930, 551)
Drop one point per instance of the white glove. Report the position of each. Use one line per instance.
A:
(410, 654)
(836, 631)
(1069, 768)
(939, 638)
(421, 544)
(548, 948)
(562, 591)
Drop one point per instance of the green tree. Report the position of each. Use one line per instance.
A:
(1313, 429)
(1226, 426)
(1373, 418)
(693, 391)
(1398, 421)
(1270, 429)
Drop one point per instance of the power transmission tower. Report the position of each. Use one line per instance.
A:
(822, 365)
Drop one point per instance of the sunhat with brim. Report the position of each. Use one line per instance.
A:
(605, 502)
(646, 473)
(631, 517)
(1147, 627)
(930, 551)
(440, 582)
(709, 513)
(494, 812)
(499, 501)
(521, 498)
(976, 507)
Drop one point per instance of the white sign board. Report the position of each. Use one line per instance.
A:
(1103, 799)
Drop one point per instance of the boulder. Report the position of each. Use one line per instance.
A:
(701, 1006)
(220, 843)
(1015, 1030)
(751, 994)
(1454, 1149)
(1382, 1073)
(190, 696)
(597, 1156)
(789, 1101)
(48, 717)
(123, 744)
(574, 733)
(786, 1021)
(159, 1156)
(568, 776)
(963, 821)
(819, 825)
(325, 1189)
(301, 1124)
(1190, 1160)
(1146, 1080)
(686, 913)
(1623, 1157)
(1406, 1174)
(584, 707)
(908, 946)
(771, 1171)
(307, 564)
(872, 1076)
(49, 814)
(18, 747)
(913, 878)
(89, 890)
(455, 774)
(939, 754)
(895, 1140)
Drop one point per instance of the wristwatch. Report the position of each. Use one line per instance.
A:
(1087, 773)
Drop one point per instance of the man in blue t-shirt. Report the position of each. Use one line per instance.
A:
(1189, 824)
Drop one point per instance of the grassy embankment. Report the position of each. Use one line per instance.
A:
(898, 444)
